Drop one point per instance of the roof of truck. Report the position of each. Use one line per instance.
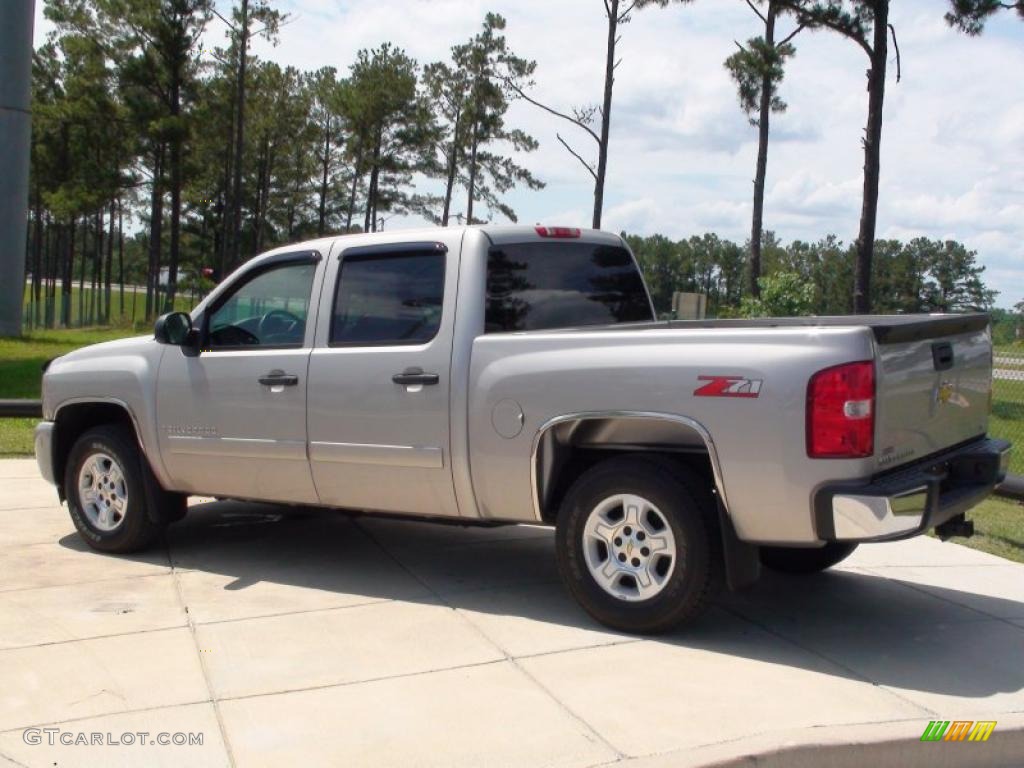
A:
(496, 233)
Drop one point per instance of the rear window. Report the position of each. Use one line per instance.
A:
(537, 286)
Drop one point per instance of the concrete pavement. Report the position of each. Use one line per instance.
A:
(306, 637)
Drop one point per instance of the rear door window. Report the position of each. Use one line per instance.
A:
(389, 298)
(538, 286)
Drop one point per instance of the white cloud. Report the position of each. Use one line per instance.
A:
(682, 152)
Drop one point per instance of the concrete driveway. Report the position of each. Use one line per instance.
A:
(305, 637)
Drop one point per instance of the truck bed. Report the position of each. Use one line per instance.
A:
(887, 329)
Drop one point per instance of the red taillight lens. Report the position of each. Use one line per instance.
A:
(841, 412)
(557, 231)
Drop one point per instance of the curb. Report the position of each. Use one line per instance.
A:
(878, 745)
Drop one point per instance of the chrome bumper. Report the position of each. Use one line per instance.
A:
(44, 450)
(911, 501)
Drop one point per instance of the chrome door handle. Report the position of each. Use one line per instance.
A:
(412, 376)
(279, 379)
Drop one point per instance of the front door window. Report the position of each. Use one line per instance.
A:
(268, 310)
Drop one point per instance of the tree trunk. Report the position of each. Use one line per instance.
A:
(120, 251)
(236, 195)
(258, 200)
(370, 223)
(872, 160)
(352, 197)
(264, 197)
(375, 199)
(50, 256)
(763, 126)
(37, 261)
(472, 176)
(81, 270)
(453, 165)
(175, 245)
(606, 111)
(96, 300)
(68, 276)
(155, 233)
(108, 272)
(326, 165)
(369, 200)
(226, 209)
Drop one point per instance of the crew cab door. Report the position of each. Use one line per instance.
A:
(379, 378)
(232, 419)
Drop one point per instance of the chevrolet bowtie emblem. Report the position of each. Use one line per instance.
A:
(944, 393)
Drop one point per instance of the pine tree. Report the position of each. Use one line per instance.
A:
(969, 16)
(866, 23)
(393, 129)
(757, 69)
(492, 69)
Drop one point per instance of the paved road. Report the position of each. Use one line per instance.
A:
(292, 637)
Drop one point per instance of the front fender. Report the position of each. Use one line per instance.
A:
(122, 374)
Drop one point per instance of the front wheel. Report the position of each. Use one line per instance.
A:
(103, 482)
(810, 560)
(636, 546)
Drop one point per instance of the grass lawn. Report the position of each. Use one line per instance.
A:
(998, 528)
(21, 361)
(134, 304)
(1007, 419)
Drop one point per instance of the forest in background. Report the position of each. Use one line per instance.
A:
(161, 162)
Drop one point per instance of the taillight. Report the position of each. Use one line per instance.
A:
(841, 412)
(557, 231)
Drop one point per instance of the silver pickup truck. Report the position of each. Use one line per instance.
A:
(517, 375)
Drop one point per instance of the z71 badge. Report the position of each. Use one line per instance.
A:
(728, 386)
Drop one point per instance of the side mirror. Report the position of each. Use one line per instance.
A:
(173, 328)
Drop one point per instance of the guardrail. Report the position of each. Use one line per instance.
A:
(21, 409)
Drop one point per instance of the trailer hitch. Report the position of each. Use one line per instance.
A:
(955, 526)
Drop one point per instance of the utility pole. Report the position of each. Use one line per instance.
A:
(16, 17)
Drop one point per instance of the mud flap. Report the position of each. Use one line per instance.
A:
(162, 506)
(742, 560)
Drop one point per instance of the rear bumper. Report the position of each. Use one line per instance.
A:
(44, 450)
(908, 502)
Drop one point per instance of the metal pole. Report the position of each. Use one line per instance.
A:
(16, 17)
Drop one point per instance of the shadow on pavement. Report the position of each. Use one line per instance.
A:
(890, 631)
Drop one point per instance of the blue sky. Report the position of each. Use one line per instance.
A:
(682, 153)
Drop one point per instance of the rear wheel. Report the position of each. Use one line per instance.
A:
(805, 560)
(636, 544)
(103, 481)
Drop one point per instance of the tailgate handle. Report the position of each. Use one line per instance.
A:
(942, 355)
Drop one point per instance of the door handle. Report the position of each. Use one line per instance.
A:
(279, 379)
(413, 376)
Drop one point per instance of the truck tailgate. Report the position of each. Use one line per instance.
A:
(933, 389)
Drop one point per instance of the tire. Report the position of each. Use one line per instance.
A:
(596, 529)
(104, 485)
(805, 560)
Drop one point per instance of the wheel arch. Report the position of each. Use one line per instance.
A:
(73, 417)
(567, 444)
